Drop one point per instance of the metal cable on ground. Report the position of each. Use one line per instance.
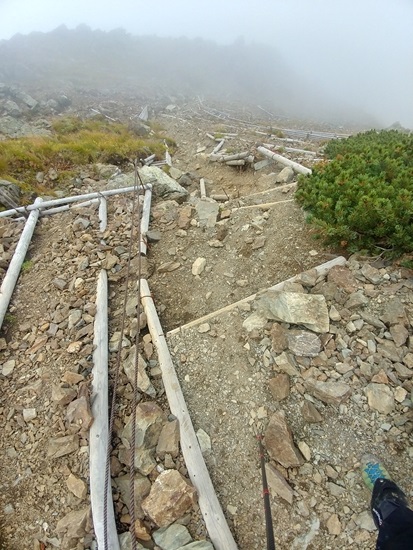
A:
(135, 378)
(115, 385)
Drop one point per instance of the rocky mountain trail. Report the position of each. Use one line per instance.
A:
(322, 367)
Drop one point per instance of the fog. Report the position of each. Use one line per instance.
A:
(357, 52)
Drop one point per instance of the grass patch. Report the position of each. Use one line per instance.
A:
(75, 142)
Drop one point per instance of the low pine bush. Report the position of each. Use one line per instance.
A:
(362, 199)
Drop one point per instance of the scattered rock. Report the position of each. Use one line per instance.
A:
(277, 484)
(330, 392)
(170, 498)
(380, 398)
(280, 386)
(279, 442)
(198, 266)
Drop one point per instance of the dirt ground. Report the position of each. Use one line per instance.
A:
(222, 370)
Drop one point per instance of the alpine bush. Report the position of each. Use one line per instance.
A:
(362, 199)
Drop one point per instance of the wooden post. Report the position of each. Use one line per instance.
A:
(13, 271)
(202, 188)
(100, 427)
(286, 162)
(66, 207)
(75, 198)
(218, 147)
(103, 214)
(211, 510)
(321, 270)
(146, 210)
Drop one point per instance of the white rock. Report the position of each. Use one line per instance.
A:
(198, 266)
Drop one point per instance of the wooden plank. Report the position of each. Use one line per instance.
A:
(74, 198)
(98, 440)
(286, 162)
(13, 271)
(321, 270)
(210, 507)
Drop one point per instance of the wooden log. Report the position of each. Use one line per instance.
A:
(103, 214)
(99, 431)
(202, 189)
(286, 162)
(264, 205)
(218, 147)
(66, 207)
(210, 507)
(75, 198)
(226, 158)
(148, 161)
(146, 210)
(236, 162)
(321, 271)
(289, 149)
(220, 198)
(13, 271)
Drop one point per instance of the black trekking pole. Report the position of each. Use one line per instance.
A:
(266, 496)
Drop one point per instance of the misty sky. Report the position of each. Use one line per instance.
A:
(361, 51)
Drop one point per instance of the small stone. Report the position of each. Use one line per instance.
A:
(198, 266)
(279, 442)
(259, 242)
(305, 450)
(334, 525)
(285, 363)
(277, 484)
(280, 386)
(303, 343)
(29, 414)
(329, 392)
(380, 398)
(153, 235)
(78, 412)
(400, 394)
(204, 441)
(365, 521)
(380, 377)
(110, 261)
(76, 486)
(172, 537)
(62, 446)
(168, 267)
(74, 347)
(75, 524)
(8, 367)
(168, 442)
(61, 284)
(310, 413)
(205, 327)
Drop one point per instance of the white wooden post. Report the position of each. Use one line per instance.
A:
(13, 271)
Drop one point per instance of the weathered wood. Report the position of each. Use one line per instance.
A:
(288, 149)
(226, 158)
(286, 162)
(75, 198)
(321, 270)
(66, 207)
(218, 147)
(262, 205)
(202, 188)
(149, 160)
(220, 198)
(240, 162)
(103, 214)
(210, 507)
(99, 431)
(146, 210)
(13, 271)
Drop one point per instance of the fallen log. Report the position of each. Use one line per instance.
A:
(74, 198)
(321, 271)
(99, 431)
(218, 147)
(13, 271)
(209, 505)
(226, 158)
(299, 168)
(202, 188)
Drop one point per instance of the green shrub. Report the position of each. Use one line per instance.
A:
(363, 198)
